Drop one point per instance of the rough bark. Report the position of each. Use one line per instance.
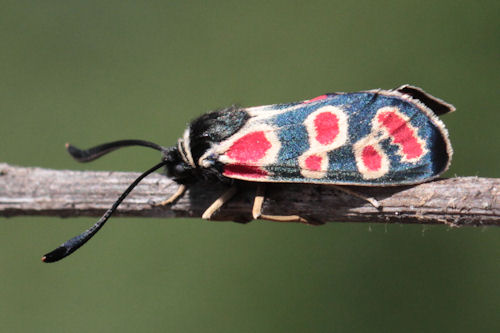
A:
(462, 201)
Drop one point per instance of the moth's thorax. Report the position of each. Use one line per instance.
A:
(185, 150)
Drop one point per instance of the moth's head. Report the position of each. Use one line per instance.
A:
(176, 168)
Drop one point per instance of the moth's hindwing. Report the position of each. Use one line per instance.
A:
(378, 137)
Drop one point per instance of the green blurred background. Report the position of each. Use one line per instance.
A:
(94, 71)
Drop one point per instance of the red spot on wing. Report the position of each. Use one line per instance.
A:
(313, 162)
(402, 134)
(316, 99)
(327, 127)
(250, 147)
(247, 171)
(371, 158)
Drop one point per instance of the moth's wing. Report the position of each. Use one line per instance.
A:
(368, 138)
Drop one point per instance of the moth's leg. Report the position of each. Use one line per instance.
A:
(371, 200)
(220, 202)
(288, 218)
(258, 201)
(257, 210)
(180, 191)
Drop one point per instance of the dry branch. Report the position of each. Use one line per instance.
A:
(459, 201)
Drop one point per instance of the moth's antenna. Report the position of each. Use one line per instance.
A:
(93, 153)
(74, 243)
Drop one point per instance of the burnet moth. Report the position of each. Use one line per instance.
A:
(367, 138)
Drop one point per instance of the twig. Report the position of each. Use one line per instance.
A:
(463, 201)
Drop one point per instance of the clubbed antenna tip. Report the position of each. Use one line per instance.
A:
(55, 255)
(87, 155)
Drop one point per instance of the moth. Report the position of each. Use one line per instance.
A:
(368, 138)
